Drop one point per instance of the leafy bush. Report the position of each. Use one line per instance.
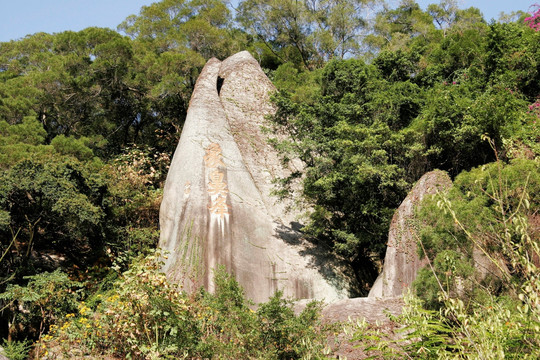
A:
(490, 203)
(145, 317)
(135, 179)
(16, 350)
(43, 301)
(286, 335)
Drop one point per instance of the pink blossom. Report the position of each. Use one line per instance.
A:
(534, 21)
(534, 109)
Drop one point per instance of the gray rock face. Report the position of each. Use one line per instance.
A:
(401, 262)
(217, 207)
(371, 310)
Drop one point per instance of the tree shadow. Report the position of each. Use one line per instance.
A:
(335, 269)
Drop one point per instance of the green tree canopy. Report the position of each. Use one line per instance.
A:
(307, 33)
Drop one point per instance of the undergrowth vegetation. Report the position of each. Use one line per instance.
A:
(142, 316)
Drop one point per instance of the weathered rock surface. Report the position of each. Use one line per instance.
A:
(369, 309)
(217, 206)
(401, 262)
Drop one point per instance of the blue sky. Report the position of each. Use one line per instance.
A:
(21, 17)
(490, 8)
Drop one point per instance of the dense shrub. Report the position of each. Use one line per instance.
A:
(145, 317)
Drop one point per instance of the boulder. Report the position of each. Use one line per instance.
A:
(218, 207)
(367, 309)
(401, 261)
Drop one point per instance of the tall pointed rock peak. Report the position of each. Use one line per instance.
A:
(217, 205)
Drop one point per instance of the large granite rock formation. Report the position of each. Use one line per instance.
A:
(217, 206)
(401, 262)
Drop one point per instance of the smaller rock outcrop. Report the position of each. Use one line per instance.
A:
(366, 309)
(401, 262)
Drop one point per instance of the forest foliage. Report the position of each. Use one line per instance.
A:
(370, 97)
